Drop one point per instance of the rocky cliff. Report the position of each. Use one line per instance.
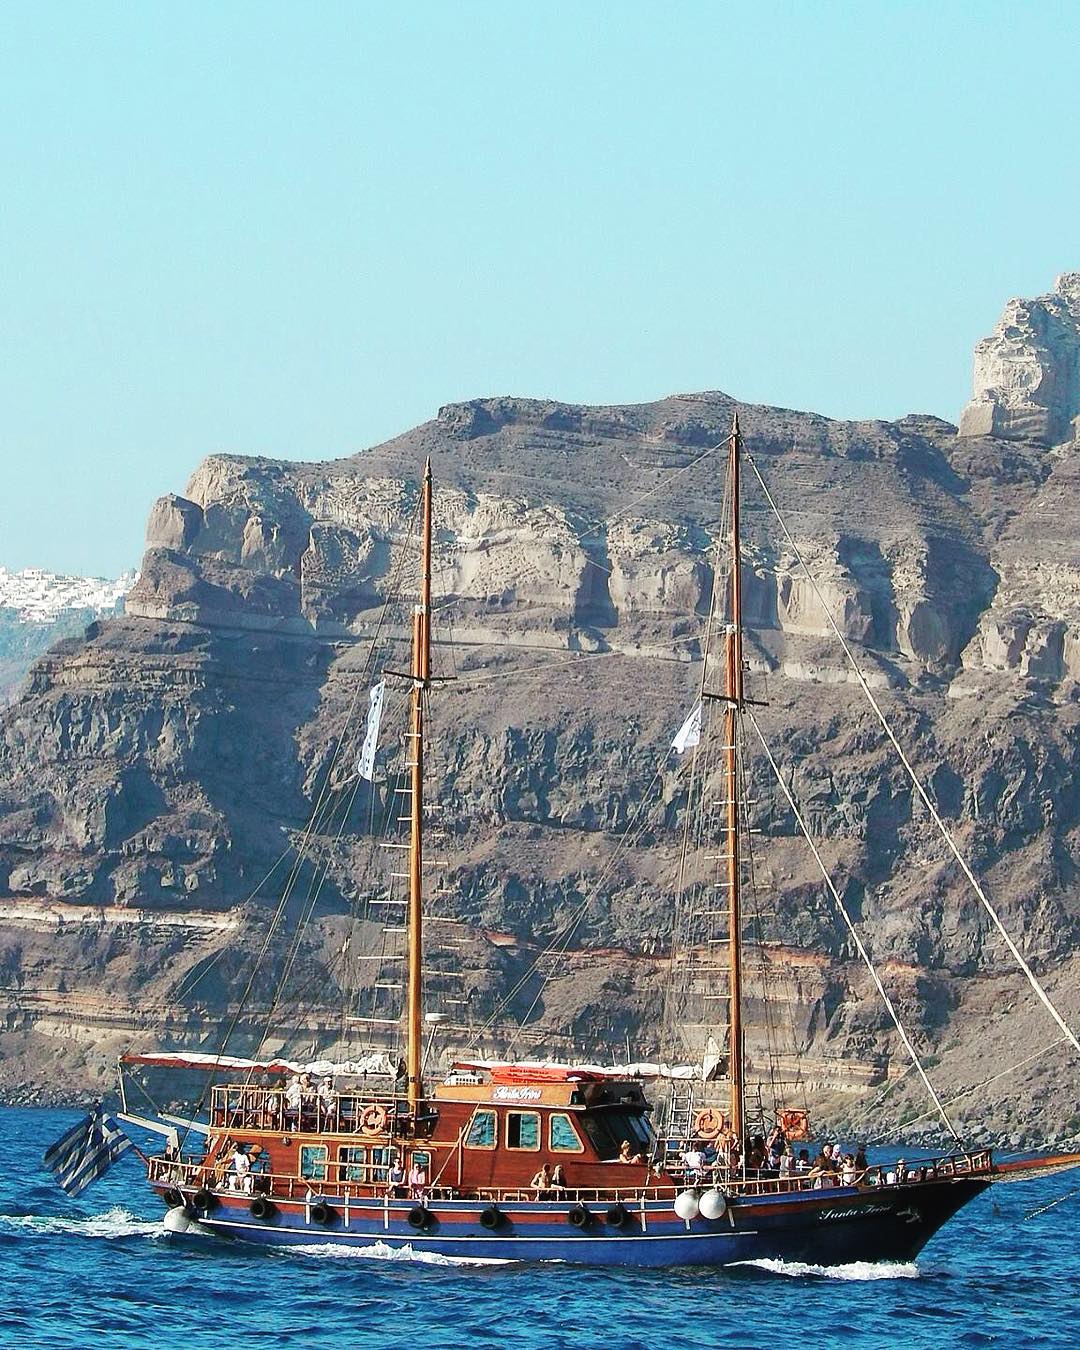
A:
(153, 772)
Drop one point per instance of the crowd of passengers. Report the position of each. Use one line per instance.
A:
(247, 1167)
(300, 1101)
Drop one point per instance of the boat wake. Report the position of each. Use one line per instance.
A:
(854, 1270)
(381, 1251)
(114, 1223)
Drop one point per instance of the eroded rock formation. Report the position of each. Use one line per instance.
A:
(1027, 372)
(161, 765)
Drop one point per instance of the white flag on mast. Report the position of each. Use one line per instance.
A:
(365, 765)
(689, 733)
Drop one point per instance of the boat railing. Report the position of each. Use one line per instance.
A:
(365, 1183)
(248, 1106)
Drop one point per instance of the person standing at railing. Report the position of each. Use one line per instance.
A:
(395, 1178)
(240, 1169)
(328, 1103)
(417, 1180)
(293, 1099)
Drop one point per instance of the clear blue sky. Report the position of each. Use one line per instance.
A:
(297, 229)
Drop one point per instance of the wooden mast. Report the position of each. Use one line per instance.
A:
(421, 673)
(733, 692)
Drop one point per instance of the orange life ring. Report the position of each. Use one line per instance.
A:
(373, 1118)
(795, 1125)
(709, 1124)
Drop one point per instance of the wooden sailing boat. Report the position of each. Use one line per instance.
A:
(527, 1161)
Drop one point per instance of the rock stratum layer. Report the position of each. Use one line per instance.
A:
(154, 771)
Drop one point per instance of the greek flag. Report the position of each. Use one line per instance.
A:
(365, 765)
(86, 1152)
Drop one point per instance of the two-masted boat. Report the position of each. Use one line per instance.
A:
(540, 1161)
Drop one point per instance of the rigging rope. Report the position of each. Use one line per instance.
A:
(912, 1052)
(915, 780)
(964, 1092)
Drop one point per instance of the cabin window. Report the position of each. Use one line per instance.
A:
(422, 1160)
(352, 1162)
(313, 1161)
(608, 1129)
(564, 1138)
(523, 1130)
(381, 1158)
(481, 1130)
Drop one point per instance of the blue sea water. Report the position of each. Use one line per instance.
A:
(96, 1272)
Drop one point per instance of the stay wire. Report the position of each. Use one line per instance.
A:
(916, 781)
(838, 900)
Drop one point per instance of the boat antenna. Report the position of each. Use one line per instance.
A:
(733, 702)
(421, 677)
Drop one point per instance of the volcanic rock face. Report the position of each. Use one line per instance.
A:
(1027, 373)
(163, 765)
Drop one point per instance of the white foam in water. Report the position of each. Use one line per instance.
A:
(114, 1223)
(381, 1251)
(854, 1270)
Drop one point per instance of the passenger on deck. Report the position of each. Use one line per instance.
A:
(821, 1169)
(293, 1098)
(775, 1147)
(901, 1170)
(728, 1149)
(694, 1163)
(802, 1162)
(557, 1181)
(755, 1154)
(542, 1183)
(627, 1154)
(328, 1103)
(787, 1162)
(240, 1168)
(395, 1179)
(860, 1159)
(847, 1170)
(417, 1181)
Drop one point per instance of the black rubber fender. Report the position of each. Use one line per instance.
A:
(204, 1201)
(262, 1207)
(617, 1215)
(172, 1197)
(419, 1217)
(579, 1217)
(321, 1213)
(492, 1218)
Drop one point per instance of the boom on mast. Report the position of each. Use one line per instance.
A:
(421, 676)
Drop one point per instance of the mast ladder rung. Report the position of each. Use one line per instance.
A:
(442, 918)
(377, 1021)
(384, 844)
(393, 930)
(403, 876)
(387, 984)
(388, 900)
(379, 957)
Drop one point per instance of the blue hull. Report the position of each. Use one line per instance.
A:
(831, 1227)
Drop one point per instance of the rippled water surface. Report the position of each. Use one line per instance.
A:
(97, 1273)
